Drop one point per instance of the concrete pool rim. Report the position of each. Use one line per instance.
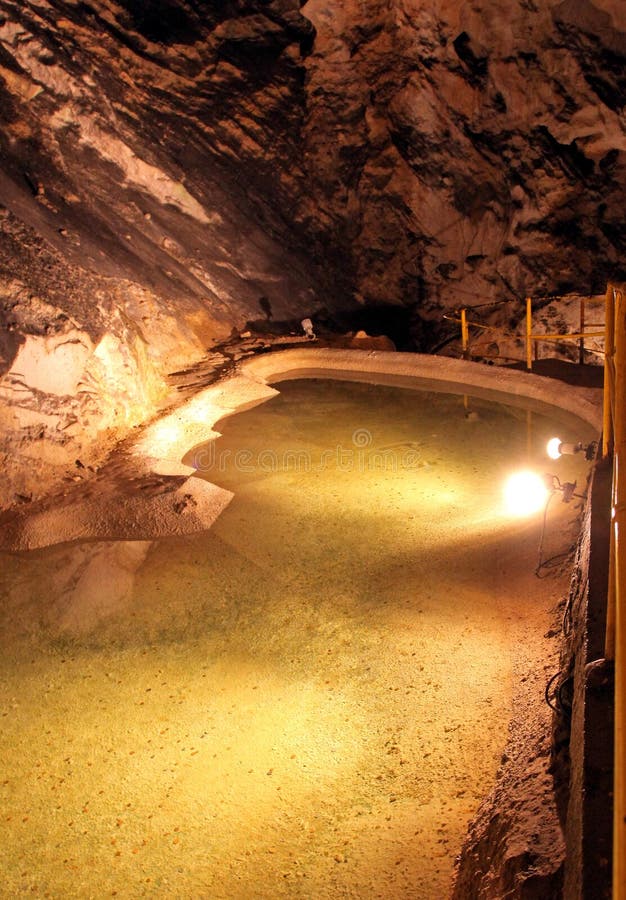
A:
(421, 371)
(192, 504)
(173, 438)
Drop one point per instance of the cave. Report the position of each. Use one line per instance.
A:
(220, 218)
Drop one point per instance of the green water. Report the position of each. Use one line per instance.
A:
(309, 700)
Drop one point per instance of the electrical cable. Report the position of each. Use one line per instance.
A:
(589, 297)
(577, 589)
(481, 305)
(543, 534)
(546, 693)
(565, 706)
(566, 624)
(552, 561)
(557, 702)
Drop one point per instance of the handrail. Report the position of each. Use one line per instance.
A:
(608, 416)
(577, 336)
(475, 324)
(616, 370)
(530, 336)
(571, 335)
(555, 336)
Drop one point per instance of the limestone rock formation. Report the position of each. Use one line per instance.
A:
(171, 170)
(135, 230)
(477, 149)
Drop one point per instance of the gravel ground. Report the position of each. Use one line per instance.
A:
(310, 699)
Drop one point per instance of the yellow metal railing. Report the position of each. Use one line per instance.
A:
(531, 338)
(575, 336)
(614, 437)
(466, 324)
(613, 442)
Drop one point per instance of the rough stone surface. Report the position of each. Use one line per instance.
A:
(172, 170)
(176, 172)
(478, 148)
(135, 231)
(583, 722)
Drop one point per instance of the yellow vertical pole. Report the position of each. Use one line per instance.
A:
(464, 333)
(609, 354)
(607, 448)
(529, 334)
(619, 526)
(581, 331)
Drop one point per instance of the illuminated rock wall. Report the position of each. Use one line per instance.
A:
(477, 149)
(171, 170)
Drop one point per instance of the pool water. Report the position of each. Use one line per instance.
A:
(310, 699)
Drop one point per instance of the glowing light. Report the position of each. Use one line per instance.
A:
(166, 432)
(554, 448)
(525, 493)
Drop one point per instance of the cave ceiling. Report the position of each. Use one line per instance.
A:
(376, 152)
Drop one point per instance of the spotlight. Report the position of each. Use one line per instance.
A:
(556, 448)
(553, 483)
(307, 327)
(525, 493)
(568, 489)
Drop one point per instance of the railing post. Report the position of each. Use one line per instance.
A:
(608, 400)
(464, 333)
(609, 370)
(581, 331)
(619, 528)
(529, 334)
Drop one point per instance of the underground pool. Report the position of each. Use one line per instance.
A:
(310, 699)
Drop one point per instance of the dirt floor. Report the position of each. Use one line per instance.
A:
(311, 699)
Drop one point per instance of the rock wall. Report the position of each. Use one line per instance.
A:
(477, 149)
(583, 725)
(84, 359)
(171, 170)
(142, 147)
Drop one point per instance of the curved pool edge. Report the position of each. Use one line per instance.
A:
(194, 504)
(455, 376)
(172, 437)
(175, 436)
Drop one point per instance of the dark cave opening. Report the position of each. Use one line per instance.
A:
(403, 325)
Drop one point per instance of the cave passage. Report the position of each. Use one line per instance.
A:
(310, 699)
